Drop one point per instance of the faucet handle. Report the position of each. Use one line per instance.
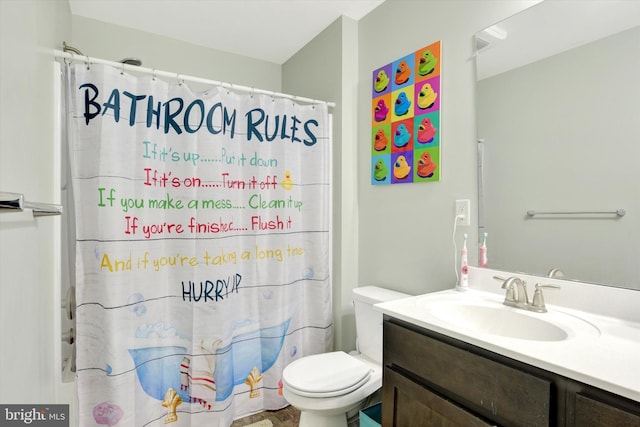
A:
(538, 299)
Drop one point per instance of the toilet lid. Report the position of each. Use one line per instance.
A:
(326, 374)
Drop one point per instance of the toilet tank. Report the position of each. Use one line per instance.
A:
(369, 320)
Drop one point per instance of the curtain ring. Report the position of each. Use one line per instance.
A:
(122, 70)
(178, 79)
(69, 60)
(153, 74)
(88, 63)
(252, 92)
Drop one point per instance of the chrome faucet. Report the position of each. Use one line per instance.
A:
(555, 273)
(516, 294)
(516, 291)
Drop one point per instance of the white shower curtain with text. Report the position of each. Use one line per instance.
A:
(203, 244)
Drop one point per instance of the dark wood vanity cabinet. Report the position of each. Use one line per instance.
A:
(433, 380)
(591, 407)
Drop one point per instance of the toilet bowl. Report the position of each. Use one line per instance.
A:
(327, 388)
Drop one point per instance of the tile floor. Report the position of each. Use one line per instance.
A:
(287, 417)
(290, 416)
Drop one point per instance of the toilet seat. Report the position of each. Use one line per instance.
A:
(326, 375)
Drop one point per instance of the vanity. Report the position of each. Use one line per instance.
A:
(465, 358)
(468, 359)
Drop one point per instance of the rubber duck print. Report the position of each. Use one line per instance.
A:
(426, 166)
(403, 72)
(427, 96)
(401, 136)
(380, 170)
(380, 140)
(401, 107)
(381, 111)
(287, 182)
(426, 131)
(401, 168)
(427, 63)
(382, 81)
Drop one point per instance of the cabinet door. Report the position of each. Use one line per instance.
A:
(408, 404)
(502, 393)
(593, 413)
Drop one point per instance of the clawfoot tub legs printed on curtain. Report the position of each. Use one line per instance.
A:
(252, 380)
(171, 401)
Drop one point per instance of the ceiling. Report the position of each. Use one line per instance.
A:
(269, 30)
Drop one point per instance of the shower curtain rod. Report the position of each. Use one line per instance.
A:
(185, 78)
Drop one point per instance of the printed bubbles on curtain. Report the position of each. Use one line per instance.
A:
(202, 241)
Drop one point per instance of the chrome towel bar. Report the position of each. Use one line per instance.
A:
(14, 202)
(618, 212)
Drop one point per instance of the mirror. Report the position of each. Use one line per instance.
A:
(558, 110)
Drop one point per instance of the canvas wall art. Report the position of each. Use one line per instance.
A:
(405, 118)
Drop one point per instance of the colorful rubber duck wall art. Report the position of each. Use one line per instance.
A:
(401, 136)
(380, 170)
(426, 131)
(382, 81)
(401, 168)
(402, 104)
(406, 134)
(381, 111)
(426, 166)
(403, 73)
(427, 96)
(380, 140)
(427, 63)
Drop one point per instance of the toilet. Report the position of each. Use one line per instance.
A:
(327, 388)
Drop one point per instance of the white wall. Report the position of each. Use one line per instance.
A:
(329, 63)
(113, 42)
(29, 31)
(405, 230)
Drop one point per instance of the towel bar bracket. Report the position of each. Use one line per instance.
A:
(14, 202)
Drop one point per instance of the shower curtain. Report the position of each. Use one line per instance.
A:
(202, 247)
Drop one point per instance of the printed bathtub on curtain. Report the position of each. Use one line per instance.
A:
(202, 241)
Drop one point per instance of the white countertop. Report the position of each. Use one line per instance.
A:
(609, 360)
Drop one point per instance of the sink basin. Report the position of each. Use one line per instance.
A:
(485, 316)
